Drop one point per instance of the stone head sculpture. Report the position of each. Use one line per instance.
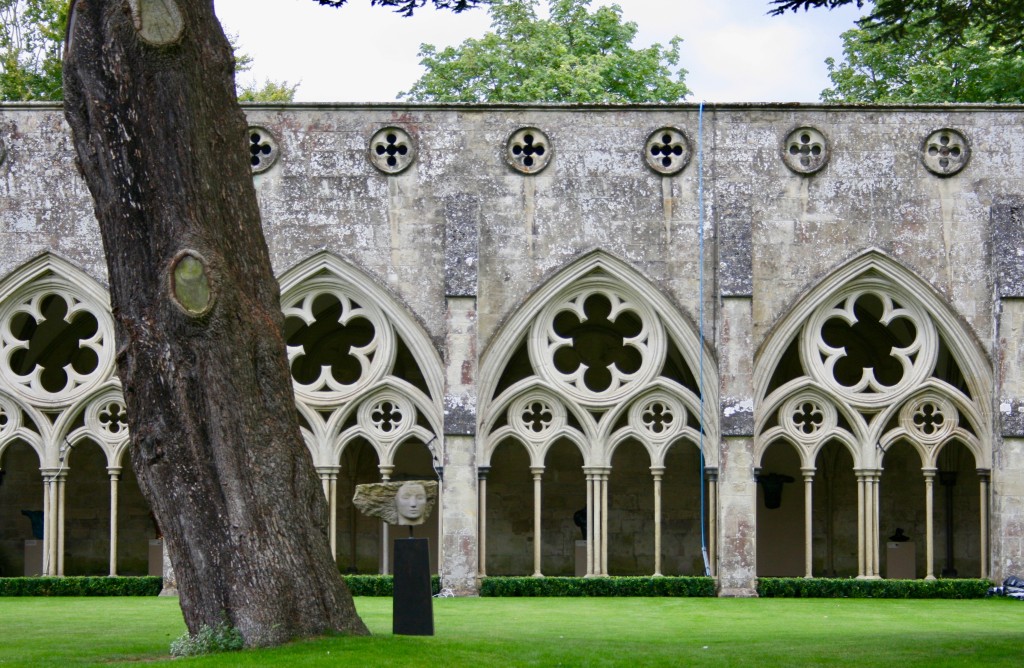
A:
(404, 503)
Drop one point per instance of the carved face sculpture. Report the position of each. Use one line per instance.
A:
(411, 501)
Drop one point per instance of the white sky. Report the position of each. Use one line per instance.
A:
(732, 50)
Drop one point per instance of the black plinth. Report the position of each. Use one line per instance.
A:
(412, 605)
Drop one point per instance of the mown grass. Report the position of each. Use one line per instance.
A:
(554, 631)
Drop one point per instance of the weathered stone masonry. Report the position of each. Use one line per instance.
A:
(515, 297)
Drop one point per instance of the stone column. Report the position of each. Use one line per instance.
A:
(861, 546)
(385, 529)
(61, 484)
(808, 521)
(538, 472)
(590, 521)
(929, 523)
(983, 478)
(460, 554)
(656, 473)
(170, 583)
(329, 481)
(481, 474)
(712, 476)
(737, 535)
(605, 474)
(115, 473)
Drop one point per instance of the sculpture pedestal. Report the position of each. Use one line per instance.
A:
(412, 604)
(33, 558)
(156, 557)
(900, 560)
(581, 558)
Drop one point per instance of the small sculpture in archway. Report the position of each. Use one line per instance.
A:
(772, 484)
(404, 503)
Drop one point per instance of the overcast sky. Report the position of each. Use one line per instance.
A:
(732, 50)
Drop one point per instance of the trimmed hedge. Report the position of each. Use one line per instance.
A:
(82, 586)
(853, 588)
(604, 586)
(380, 585)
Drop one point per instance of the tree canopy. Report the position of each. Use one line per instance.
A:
(32, 53)
(576, 55)
(951, 21)
(922, 67)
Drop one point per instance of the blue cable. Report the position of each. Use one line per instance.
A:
(700, 298)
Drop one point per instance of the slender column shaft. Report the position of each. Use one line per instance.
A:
(115, 474)
(49, 544)
(875, 525)
(808, 523)
(61, 479)
(590, 524)
(713, 522)
(333, 505)
(385, 553)
(538, 472)
(656, 474)
(983, 529)
(482, 540)
(861, 570)
(929, 523)
(604, 523)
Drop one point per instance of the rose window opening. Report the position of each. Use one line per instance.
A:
(537, 416)
(870, 346)
(657, 417)
(945, 152)
(598, 344)
(54, 344)
(334, 346)
(386, 417)
(667, 151)
(805, 150)
(113, 418)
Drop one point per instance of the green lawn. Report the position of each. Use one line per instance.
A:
(555, 631)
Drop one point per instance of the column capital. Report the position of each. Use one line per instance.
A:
(808, 472)
(657, 472)
(482, 471)
(537, 471)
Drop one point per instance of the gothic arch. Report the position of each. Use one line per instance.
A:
(870, 357)
(57, 377)
(373, 328)
(364, 372)
(597, 356)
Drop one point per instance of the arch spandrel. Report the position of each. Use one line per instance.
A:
(597, 296)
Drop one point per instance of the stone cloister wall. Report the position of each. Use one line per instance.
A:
(463, 214)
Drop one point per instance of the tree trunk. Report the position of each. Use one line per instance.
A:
(149, 94)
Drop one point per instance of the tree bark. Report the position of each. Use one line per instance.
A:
(216, 445)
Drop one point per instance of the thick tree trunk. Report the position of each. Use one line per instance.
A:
(149, 94)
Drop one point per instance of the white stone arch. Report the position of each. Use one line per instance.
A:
(56, 356)
(912, 328)
(602, 394)
(324, 291)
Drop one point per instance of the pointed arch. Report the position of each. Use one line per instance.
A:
(663, 326)
(376, 334)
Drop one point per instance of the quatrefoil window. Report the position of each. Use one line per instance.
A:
(113, 418)
(598, 343)
(667, 151)
(808, 417)
(528, 150)
(386, 417)
(391, 150)
(805, 150)
(53, 341)
(537, 416)
(328, 343)
(945, 152)
(263, 150)
(868, 344)
(928, 418)
(657, 417)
